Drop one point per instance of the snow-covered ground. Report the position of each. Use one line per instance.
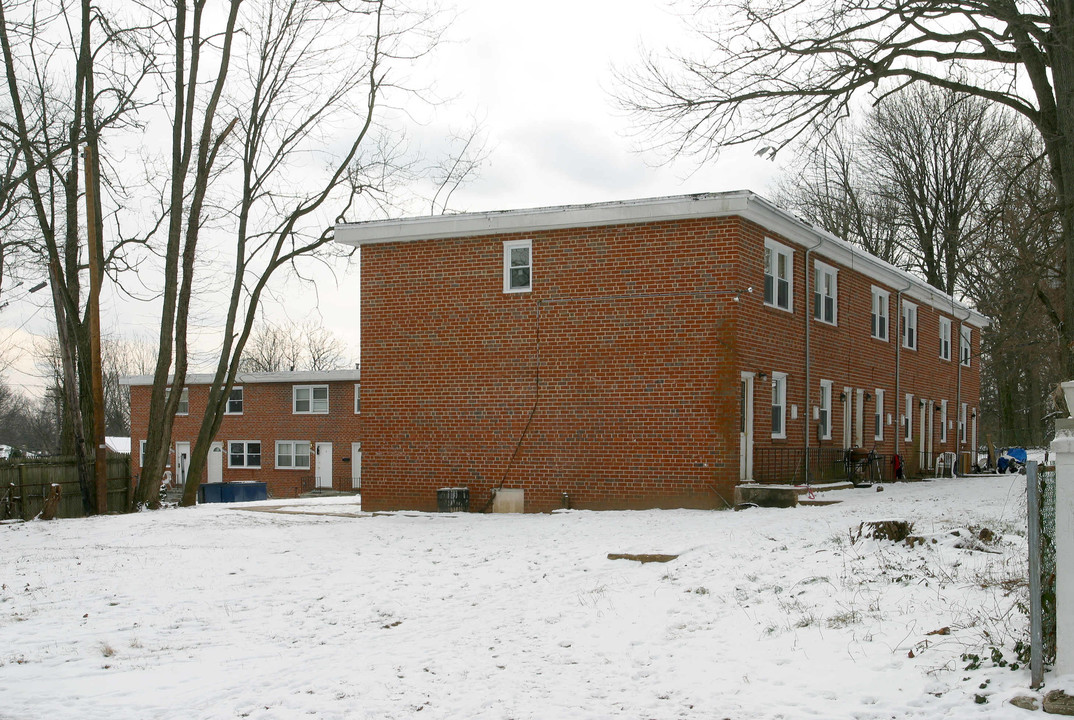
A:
(324, 611)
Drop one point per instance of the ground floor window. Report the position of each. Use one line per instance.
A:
(293, 454)
(243, 454)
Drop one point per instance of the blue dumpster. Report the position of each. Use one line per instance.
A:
(247, 491)
(227, 492)
(211, 493)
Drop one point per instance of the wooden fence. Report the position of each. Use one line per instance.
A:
(25, 483)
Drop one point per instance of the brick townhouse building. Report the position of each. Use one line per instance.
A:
(646, 353)
(294, 431)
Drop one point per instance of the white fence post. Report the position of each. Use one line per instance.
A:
(1063, 447)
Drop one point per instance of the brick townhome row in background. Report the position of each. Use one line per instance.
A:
(647, 353)
(295, 431)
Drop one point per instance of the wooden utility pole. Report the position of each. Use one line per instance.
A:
(100, 464)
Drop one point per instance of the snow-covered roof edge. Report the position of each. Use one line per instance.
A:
(743, 203)
(301, 376)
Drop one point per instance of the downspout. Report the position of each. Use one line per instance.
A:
(809, 303)
(900, 433)
(958, 386)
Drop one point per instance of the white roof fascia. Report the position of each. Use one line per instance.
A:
(622, 212)
(835, 248)
(742, 203)
(296, 378)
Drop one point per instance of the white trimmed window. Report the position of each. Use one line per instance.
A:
(962, 422)
(243, 454)
(779, 405)
(945, 338)
(943, 421)
(778, 275)
(878, 416)
(141, 455)
(908, 419)
(517, 266)
(909, 325)
(309, 399)
(824, 412)
(825, 293)
(292, 455)
(234, 402)
(879, 319)
(183, 408)
(964, 344)
(357, 398)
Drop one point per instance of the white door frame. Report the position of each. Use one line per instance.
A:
(214, 464)
(973, 438)
(182, 462)
(859, 418)
(356, 466)
(745, 428)
(323, 466)
(927, 431)
(848, 416)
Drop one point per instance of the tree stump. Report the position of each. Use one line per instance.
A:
(893, 530)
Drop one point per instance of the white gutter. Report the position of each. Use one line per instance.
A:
(246, 378)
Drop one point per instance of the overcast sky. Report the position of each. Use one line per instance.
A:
(539, 78)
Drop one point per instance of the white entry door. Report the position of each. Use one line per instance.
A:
(215, 463)
(323, 471)
(182, 462)
(745, 428)
(356, 466)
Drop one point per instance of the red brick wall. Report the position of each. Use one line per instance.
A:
(639, 392)
(267, 417)
(628, 408)
(850, 357)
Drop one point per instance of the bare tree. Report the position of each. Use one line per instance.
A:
(830, 188)
(292, 346)
(281, 77)
(775, 71)
(72, 73)
(917, 183)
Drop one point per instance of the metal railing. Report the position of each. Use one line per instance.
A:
(788, 465)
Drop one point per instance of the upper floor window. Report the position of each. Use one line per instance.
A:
(909, 325)
(357, 398)
(879, 319)
(517, 266)
(234, 402)
(778, 275)
(825, 293)
(964, 344)
(183, 408)
(310, 399)
(945, 338)
(779, 405)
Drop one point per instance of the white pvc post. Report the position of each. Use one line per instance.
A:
(1063, 447)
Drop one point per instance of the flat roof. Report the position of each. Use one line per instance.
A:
(742, 203)
(249, 378)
